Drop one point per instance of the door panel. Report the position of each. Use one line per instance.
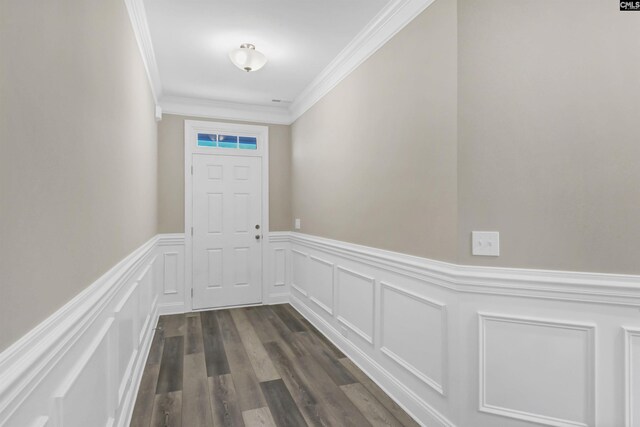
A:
(227, 257)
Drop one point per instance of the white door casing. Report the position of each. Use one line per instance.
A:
(226, 196)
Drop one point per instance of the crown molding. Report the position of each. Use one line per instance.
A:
(393, 18)
(138, 17)
(225, 110)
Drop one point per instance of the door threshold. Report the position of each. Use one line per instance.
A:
(226, 307)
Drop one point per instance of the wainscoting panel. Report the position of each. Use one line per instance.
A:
(299, 273)
(414, 334)
(321, 283)
(171, 272)
(126, 314)
(356, 302)
(280, 267)
(82, 366)
(476, 346)
(83, 398)
(145, 288)
(276, 291)
(172, 293)
(551, 365)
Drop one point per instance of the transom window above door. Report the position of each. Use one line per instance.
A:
(227, 141)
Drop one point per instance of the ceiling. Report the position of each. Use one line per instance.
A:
(191, 41)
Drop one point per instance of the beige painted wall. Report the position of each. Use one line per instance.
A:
(171, 174)
(549, 133)
(374, 162)
(78, 153)
(545, 148)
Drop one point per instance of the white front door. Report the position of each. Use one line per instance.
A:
(227, 230)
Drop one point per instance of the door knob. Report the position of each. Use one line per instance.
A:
(257, 237)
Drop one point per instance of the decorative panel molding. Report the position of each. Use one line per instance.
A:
(550, 363)
(321, 283)
(405, 314)
(298, 274)
(280, 267)
(145, 300)
(170, 272)
(278, 254)
(127, 320)
(356, 302)
(83, 398)
(174, 298)
(632, 376)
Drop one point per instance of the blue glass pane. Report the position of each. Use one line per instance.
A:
(227, 141)
(248, 143)
(207, 140)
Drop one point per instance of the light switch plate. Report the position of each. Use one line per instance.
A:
(485, 243)
(297, 224)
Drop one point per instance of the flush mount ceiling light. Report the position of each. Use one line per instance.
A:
(247, 58)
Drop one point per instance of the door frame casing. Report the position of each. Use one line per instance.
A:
(191, 129)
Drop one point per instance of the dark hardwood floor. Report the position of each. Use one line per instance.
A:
(254, 366)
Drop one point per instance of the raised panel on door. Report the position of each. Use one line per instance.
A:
(227, 266)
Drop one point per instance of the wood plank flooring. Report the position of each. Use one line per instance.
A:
(255, 366)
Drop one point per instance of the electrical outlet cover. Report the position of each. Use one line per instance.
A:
(485, 243)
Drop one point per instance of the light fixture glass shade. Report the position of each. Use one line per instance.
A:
(247, 58)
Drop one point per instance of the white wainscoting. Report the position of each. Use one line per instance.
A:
(453, 345)
(82, 365)
(474, 346)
